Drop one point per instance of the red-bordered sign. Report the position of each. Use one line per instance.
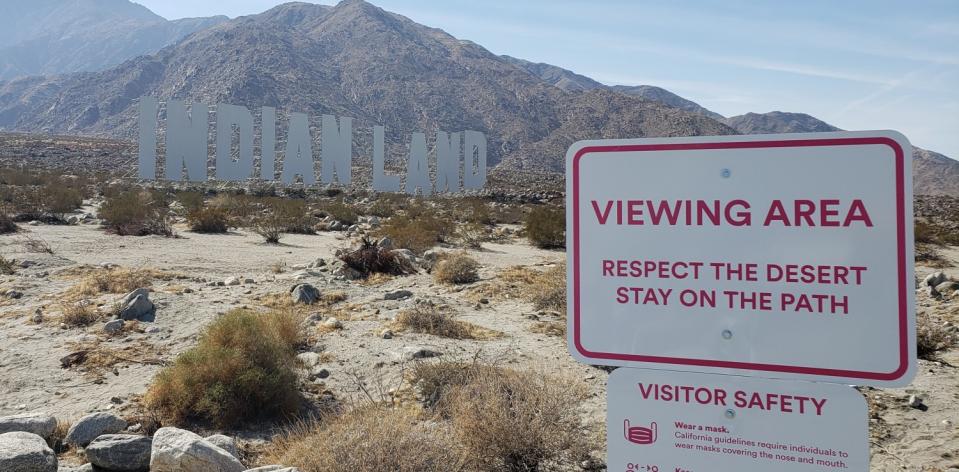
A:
(584, 152)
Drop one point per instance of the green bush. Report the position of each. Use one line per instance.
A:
(546, 227)
(341, 212)
(241, 370)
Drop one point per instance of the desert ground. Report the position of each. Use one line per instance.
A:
(194, 278)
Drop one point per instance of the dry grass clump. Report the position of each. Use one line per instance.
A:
(113, 280)
(372, 438)
(546, 227)
(136, 213)
(7, 266)
(931, 233)
(548, 292)
(79, 314)
(456, 269)
(242, 369)
(427, 318)
(550, 328)
(932, 337)
(208, 220)
(371, 259)
(546, 289)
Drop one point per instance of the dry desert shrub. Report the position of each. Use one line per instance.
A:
(516, 421)
(546, 227)
(427, 318)
(369, 438)
(456, 269)
(208, 220)
(242, 369)
(34, 243)
(370, 259)
(340, 211)
(503, 419)
(929, 232)
(136, 213)
(419, 229)
(932, 337)
(7, 225)
(190, 201)
(546, 289)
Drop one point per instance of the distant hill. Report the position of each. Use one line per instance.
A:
(353, 60)
(573, 82)
(47, 37)
(778, 122)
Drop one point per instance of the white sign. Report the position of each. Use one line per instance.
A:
(782, 256)
(661, 421)
(187, 136)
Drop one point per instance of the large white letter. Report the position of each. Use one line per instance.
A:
(186, 140)
(147, 153)
(226, 117)
(299, 152)
(475, 142)
(448, 159)
(267, 143)
(417, 168)
(336, 149)
(381, 181)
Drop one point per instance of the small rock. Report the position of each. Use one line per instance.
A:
(308, 359)
(224, 442)
(305, 294)
(398, 295)
(113, 326)
(322, 374)
(935, 279)
(178, 450)
(120, 452)
(14, 294)
(915, 401)
(947, 287)
(385, 243)
(333, 323)
(136, 305)
(320, 262)
(231, 281)
(26, 452)
(26, 264)
(36, 423)
(249, 281)
(410, 353)
(93, 425)
(387, 334)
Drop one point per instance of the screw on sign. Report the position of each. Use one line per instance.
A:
(639, 434)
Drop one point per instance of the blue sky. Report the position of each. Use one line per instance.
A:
(855, 64)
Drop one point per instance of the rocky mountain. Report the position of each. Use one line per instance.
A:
(662, 95)
(44, 37)
(573, 82)
(778, 122)
(353, 60)
(933, 173)
(555, 75)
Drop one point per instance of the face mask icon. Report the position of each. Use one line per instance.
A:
(640, 434)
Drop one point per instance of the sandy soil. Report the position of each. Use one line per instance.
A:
(31, 377)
